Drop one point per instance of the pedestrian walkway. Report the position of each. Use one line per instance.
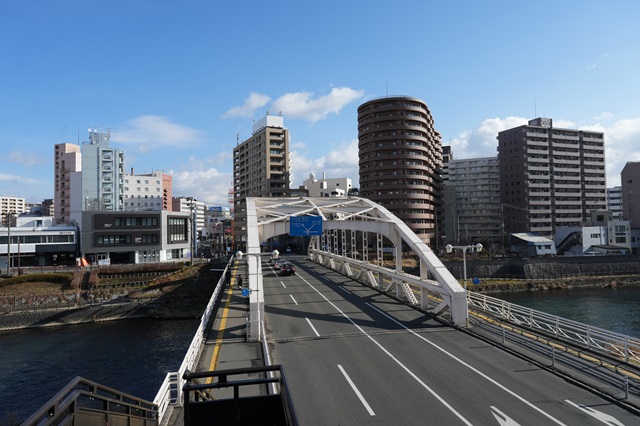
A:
(225, 346)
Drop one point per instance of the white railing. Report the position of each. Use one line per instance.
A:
(619, 346)
(170, 392)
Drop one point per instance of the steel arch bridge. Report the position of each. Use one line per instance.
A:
(351, 226)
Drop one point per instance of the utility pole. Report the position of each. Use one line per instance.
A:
(8, 242)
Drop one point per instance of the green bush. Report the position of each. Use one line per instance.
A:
(30, 278)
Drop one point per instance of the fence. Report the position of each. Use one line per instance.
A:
(616, 345)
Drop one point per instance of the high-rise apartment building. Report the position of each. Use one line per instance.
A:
(261, 167)
(471, 201)
(102, 174)
(630, 179)
(11, 206)
(152, 191)
(550, 176)
(400, 161)
(614, 202)
(66, 177)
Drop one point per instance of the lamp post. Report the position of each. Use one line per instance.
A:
(478, 249)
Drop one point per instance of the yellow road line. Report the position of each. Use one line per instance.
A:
(223, 323)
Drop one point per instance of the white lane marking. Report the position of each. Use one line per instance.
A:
(475, 370)
(355, 389)
(294, 300)
(344, 289)
(283, 284)
(312, 327)
(396, 360)
(502, 418)
(599, 415)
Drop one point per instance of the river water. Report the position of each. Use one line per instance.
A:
(614, 309)
(132, 356)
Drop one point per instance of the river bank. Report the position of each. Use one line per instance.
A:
(510, 286)
(181, 294)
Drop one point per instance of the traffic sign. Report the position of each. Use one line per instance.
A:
(304, 226)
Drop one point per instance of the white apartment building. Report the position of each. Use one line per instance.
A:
(471, 208)
(11, 205)
(614, 202)
(337, 187)
(102, 174)
(143, 192)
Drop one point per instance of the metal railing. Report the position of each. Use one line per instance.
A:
(619, 346)
(170, 392)
(85, 402)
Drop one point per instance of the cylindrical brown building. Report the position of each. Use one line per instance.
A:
(400, 159)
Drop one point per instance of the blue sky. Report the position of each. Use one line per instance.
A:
(177, 83)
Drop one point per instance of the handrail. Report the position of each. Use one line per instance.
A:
(82, 396)
(170, 392)
(619, 346)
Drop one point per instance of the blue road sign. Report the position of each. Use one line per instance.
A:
(476, 281)
(304, 226)
(245, 292)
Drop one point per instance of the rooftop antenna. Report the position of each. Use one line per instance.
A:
(237, 139)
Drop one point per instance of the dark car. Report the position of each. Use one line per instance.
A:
(287, 269)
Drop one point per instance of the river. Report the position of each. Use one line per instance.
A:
(614, 309)
(132, 356)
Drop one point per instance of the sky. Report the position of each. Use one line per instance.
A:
(178, 84)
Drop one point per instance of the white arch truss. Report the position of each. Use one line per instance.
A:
(348, 222)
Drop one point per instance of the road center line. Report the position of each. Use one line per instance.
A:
(283, 284)
(397, 361)
(294, 300)
(504, 388)
(357, 392)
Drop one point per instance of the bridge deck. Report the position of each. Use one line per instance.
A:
(225, 347)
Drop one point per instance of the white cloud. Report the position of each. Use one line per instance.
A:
(338, 163)
(302, 105)
(202, 182)
(481, 141)
(153, 131)
(253, 102)
(24, 158)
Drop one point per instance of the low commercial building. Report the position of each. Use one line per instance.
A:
(531, 245)
(136, 237)
(35, 241)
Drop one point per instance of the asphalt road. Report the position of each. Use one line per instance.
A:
(353, 356)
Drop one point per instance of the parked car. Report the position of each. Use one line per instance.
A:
(287, 269)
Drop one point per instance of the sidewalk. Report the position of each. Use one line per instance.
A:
(225, 346)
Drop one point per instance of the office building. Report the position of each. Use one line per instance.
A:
(152, 191)
(102, 174)
(471, 202)
(67, 184)
(400, 161)
(550, 176)
(261, 167)
(136, 237)
(630, 179)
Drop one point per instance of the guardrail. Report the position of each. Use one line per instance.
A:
(616, 345)
(84, 402)
(170, 392)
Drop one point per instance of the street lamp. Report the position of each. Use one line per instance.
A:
(478, 249)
